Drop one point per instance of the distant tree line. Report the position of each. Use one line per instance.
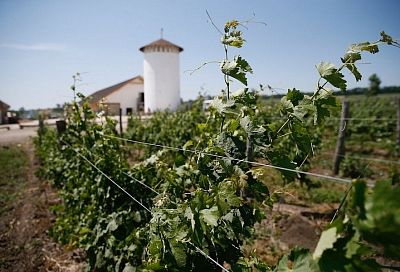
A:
(373, 89)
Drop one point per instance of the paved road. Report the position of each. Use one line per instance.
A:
(16, 135)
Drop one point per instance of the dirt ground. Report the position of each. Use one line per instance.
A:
(287, 226)
(24, 241)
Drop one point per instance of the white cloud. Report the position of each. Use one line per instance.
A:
(35, 46)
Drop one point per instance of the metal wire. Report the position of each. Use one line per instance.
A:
(208, 257)
(110, 179)
(233, 159)
(338, 119)
(140, 182)
(365, 158)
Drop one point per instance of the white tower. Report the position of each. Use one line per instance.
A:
(161, 76)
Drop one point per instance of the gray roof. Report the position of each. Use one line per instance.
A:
(97, 96)
(4, 105)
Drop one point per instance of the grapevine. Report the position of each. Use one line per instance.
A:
(192, 211)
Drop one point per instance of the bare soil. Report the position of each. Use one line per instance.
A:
(287, 226)
(24, 241)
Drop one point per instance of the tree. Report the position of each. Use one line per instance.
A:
(374, 82)
(21, 112)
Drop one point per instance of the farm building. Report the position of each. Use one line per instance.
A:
(157, 89)
(3, 112)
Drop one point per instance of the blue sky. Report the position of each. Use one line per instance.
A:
(43, 43)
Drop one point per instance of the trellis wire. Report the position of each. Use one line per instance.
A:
(208, 257)
(365, 158)
(233, 159)
(140, 182)
(337, 119)
(105, 175)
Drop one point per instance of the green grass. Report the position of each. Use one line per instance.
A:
(13, 174)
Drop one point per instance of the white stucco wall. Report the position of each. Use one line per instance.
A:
(161, 80)
(127, 96)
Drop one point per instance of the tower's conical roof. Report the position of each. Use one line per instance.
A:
(161, 43)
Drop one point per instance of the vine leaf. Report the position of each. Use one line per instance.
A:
(301, 136)
(301, 261)
(325, 103)
(349, 60)
(294, 96)
(210, 216)
(129, 268)
(246, 124)
(233, 36)
(227, 197)
(189, 215)
(220, 106)
(237, 69)
(303, 109)
(326, 241)
(364, 46)
(234, 39)
(179, 252)
(329, 72)
(282, 160)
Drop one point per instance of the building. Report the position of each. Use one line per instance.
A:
(3, 112)
(158, 88)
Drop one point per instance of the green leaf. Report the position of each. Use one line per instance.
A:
(349, 60)
(247, 124)
(326, 241)
(232, 125)
(377, 216)
(220, 106)
(282, 160)
(232, 36)
(179, 252)
(210, 216)
(325, 103)
(329, 72)
(305, 108)
(112, 225)
(129, 268)
(294, 96)
(226, 197)
(301, 261)
(236, 69)
(283, 265)
(364, 46)
(190, 216)
(358, 199)
(301, 136)
(286, 105)
(155, 246)
(234, 39)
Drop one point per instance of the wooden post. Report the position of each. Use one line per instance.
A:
(120, 121)
(398, 124)
(41, 123)
(249, 149)
(61, 126)
(340, 145)
(41, 128)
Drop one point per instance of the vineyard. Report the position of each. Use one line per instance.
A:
(189, 190)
